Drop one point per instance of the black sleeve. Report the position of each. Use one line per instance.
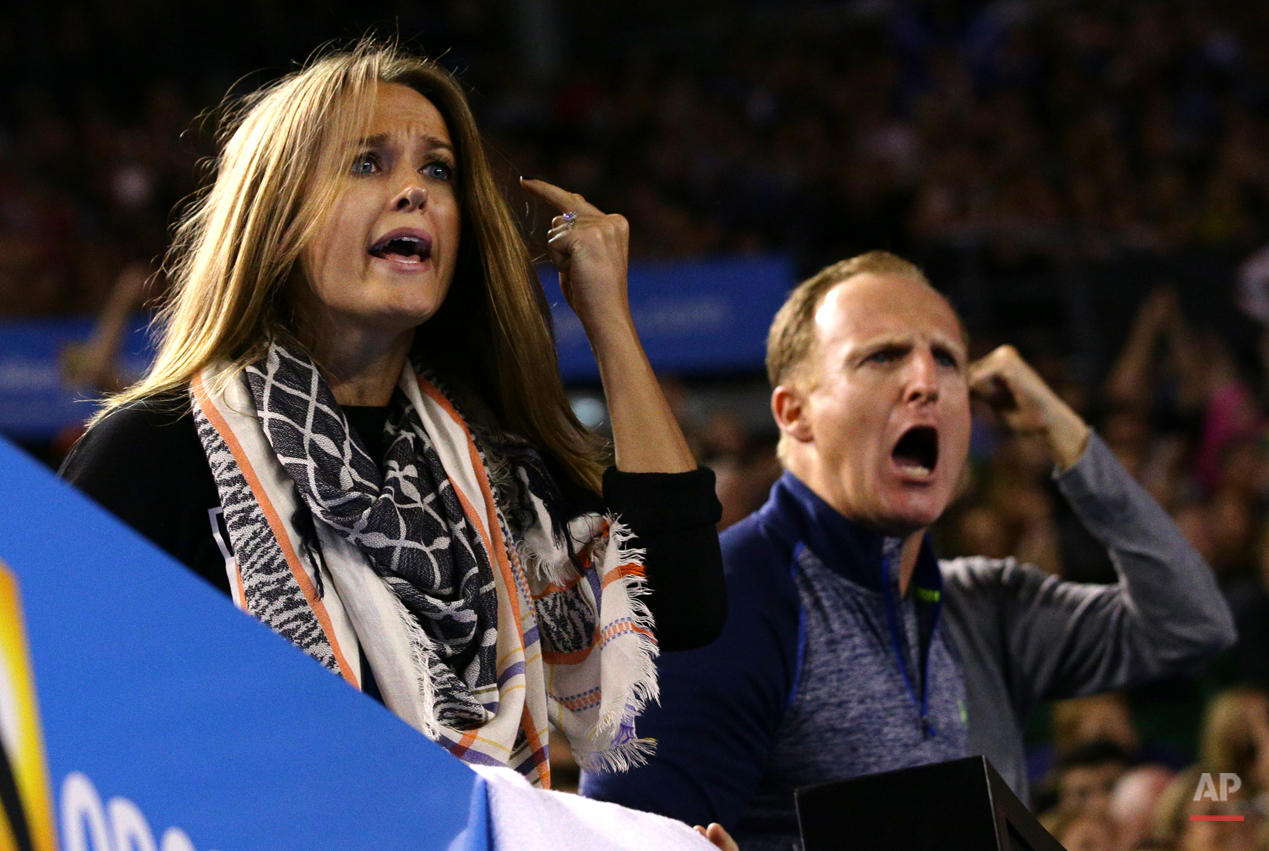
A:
(674, 516)
(145, 465)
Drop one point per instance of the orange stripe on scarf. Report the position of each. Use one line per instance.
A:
(535, 746)
(275, 524)
(496, 547)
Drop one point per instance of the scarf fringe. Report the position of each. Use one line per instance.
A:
(632, 754)
(542, 569)
(419, 646)
(543, 553)
(620, 716)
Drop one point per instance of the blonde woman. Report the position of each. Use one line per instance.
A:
(355, 426)
(1235, 736)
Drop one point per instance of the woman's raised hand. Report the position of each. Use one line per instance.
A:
(591, 249)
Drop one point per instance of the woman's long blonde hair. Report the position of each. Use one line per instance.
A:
(1233, 733)
(284, 152)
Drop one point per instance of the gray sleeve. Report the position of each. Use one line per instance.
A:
(1164, 616)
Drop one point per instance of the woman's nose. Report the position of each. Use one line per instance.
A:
(411, 197)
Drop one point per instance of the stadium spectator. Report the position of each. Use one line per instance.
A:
(835, 662)
(1085, 777)
(1133, 802)
(311, 322)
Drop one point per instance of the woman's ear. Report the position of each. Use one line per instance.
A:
(788, 406)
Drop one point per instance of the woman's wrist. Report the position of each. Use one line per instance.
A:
(609, 327)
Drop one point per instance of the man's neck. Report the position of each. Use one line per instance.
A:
(806, 473)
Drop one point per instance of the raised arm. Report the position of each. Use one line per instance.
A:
(591, 251)
(94, 364)
(673, 515)
(1165, 615)
(1130, 375)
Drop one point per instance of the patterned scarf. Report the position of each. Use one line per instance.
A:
(479, 632)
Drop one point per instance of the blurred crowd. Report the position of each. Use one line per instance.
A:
(1039, 128)
(1040, 131)
(1031, 135)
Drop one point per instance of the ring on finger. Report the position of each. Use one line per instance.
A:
(570, 219)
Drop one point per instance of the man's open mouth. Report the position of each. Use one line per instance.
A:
(410, 247)
(917, 451)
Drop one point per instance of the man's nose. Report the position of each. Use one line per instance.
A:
(923, 378)
(411, 197)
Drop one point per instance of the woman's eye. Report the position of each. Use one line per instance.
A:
(438, 170)
(946, 359)
(883, 356)
(365, 164)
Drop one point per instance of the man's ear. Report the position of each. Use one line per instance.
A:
(788, 406)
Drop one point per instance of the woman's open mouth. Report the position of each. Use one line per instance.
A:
(403, 245)
(917, 452)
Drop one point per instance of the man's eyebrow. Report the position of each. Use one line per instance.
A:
(381, 138)
(886, 339)
(878, 344)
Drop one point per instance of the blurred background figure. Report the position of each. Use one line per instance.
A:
(1235, 737)
(1085, 777)
(1175, 830)
(1084, 721)
(94, 365)
(1084, 831)
(1134, 800)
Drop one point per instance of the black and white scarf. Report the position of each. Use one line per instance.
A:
(464, 619)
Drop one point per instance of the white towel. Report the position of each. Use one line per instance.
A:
(523, 818)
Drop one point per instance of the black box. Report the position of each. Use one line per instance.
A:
(962, 805)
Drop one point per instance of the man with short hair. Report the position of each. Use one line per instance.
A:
(1085, 778)
(849, 648)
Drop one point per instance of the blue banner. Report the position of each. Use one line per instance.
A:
(35, 402)
(173, 722)
(695, 317)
